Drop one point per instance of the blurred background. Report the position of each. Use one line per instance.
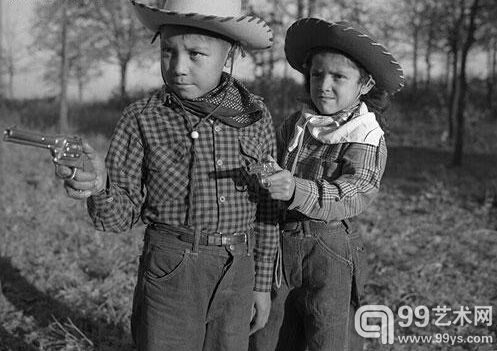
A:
(431, 236)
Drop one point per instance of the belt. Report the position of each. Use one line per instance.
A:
(216, 239)
(206, 239)
(308, 226)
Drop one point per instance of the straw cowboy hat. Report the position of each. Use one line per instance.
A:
(220, 16)
(358, 43)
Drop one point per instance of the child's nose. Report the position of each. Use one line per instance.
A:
(179, 64)
(327, 83)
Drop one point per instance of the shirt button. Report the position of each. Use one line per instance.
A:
(217, 129)
(219, 162)
(222, 199)
(232, 247)
(194, 134)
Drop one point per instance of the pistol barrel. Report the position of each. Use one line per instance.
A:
(17, 136)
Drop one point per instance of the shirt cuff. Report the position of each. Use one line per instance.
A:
(263, 275)
(100, 202)
(303, 188)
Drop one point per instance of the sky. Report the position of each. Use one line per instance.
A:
(18, 16)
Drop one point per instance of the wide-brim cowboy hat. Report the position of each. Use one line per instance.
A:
(312, 33)
(219, 16)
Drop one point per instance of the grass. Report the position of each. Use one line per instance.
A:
(430, 237)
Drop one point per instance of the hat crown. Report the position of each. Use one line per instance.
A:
(220, 8)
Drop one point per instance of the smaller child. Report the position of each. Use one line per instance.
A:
(333, 156)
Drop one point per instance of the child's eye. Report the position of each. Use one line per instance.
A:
(196, 54)
(315, 74)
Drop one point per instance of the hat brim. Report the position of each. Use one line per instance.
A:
(307, 34)
(252, 32)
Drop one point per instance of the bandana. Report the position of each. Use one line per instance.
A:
(355, 125)
(230, 102)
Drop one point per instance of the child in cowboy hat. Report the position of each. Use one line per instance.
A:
(178, 160)
(333, 156)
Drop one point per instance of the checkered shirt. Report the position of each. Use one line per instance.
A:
(333, 181)
(149, 162)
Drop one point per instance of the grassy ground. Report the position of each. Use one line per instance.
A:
(430, 237)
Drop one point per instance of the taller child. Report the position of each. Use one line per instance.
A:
(178, 160)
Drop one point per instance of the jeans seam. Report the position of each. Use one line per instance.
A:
(186, 257)
(333, 254)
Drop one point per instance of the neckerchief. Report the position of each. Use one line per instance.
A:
(360, 126)
(230, 102)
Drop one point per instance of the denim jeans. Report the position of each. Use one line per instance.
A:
(323, 266)
(187, 300)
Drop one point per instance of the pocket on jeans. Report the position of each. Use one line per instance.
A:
(334, 242)
(162, 265)
(360, 267)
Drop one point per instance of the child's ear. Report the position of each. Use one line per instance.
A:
(227, 63)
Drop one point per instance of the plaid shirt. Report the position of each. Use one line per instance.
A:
(149, 163)
(333, 181)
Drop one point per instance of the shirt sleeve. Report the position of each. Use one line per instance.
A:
(266, 225)
(350, 193)
(118, 208)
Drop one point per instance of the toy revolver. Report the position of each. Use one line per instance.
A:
(65, 150)
(263, 169)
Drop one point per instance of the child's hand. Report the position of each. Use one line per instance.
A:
(281, 185)
(85, 182)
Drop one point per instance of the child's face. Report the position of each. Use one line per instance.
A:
(191, 62)
(334, 82)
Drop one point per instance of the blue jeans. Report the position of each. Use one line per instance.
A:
(323, 266)
(187, 300)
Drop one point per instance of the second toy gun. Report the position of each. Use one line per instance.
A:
(263, 169)
(65, 150)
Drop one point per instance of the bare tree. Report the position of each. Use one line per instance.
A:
(433, 34)
(121, 33)
(52, 34)
(488, 44)
(64, 70)
(1, 53)
(1, 107)
(469, 20)
(492, 70)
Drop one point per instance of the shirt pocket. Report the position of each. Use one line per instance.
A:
(250, 151)
(168, 170)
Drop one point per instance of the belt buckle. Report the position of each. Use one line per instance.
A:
(221, 239)
(215, 239)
